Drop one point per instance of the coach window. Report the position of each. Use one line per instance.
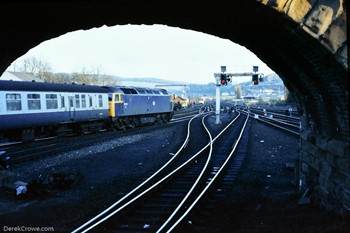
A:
(77, 101)
(34, 101)
(83, 101)
(51, 101)
(100, 102)
(13, 102)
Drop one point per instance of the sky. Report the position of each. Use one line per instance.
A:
(156, 51)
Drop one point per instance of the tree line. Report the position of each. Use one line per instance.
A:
(42, 70)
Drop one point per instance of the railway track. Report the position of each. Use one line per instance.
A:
(287, 123)
(188, 113)
(163, 201)
(293, 112)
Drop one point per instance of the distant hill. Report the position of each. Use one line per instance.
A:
(146, 82)
(272, 79)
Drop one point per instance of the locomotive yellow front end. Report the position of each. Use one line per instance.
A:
(114, 100)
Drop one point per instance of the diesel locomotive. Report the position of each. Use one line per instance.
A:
(30, 110)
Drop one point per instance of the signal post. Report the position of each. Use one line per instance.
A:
(223, 78)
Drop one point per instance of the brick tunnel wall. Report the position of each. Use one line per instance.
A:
(325, 170)
(324, 153)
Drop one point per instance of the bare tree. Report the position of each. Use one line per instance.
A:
(42, 69)
(93, 77)
(37, 67)
(61, 78)
(81, 77)
(108, 80)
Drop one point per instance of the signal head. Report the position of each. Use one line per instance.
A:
(223, 79)
(255, 79)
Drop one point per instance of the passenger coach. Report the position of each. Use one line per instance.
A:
(29, 109)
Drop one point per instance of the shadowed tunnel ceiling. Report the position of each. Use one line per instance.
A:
(310, 70)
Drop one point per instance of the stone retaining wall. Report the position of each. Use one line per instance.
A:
(325, 169)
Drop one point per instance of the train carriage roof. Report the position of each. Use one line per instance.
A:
(57, 87)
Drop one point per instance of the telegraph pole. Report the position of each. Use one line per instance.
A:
(223, 78)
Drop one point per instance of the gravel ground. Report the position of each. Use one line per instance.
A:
(263, 198)
(108, 170)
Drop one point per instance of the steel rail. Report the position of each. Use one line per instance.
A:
(180, 119)
(146, 181)
(138, 187)
(278, 126)
(282, 121)
(212, 180)
(196, 182)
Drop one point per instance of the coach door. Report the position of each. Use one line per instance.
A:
(71, 108)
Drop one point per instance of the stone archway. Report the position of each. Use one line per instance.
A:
(305, 42)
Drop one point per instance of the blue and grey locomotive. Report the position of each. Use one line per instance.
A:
(132, 106)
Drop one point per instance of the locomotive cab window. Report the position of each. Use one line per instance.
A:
(33, 101)
(110, 97)
(118, 98)
(13, 102)
(51, 101)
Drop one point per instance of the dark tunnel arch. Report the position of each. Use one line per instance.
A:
(311, 72)
(276, 39)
